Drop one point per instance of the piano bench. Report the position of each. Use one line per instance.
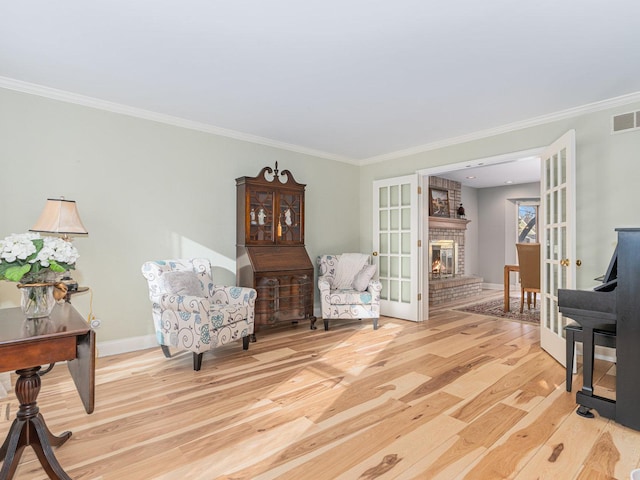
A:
(573, 333)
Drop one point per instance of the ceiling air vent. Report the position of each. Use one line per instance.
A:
(625, 122)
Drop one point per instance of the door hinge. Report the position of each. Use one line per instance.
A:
(419, 297)
(419, 243)
(419, 190)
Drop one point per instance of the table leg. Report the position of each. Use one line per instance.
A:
(10, 452)
(29, 428)
(506, 289)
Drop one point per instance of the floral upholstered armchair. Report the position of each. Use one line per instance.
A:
(347, 288)
(191, 313)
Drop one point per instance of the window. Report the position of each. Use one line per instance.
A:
(527, 222)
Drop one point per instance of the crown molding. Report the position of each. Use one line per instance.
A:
(64, 96)
(532, 122)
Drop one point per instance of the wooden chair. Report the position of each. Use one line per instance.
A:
(529, 263)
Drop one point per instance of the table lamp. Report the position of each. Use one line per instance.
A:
(60, 217)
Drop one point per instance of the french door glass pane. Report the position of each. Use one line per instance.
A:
(394, 196)
(406, 219)
(547, 176)
(394, 290)
(384, 266)
(406, 244)
(406, 292)
(406, 267)
(384, 293)
(384, 220)
(395, 243)
(383, 197)
(395, 219)
(384, 243)
(395, 267)
(406, 194)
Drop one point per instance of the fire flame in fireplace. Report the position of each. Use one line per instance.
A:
(437, 267)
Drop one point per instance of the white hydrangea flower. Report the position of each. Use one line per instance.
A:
(59, 250)
(17, 246)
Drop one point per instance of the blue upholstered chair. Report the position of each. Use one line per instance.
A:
(191, 313)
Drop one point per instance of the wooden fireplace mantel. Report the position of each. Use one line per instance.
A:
(448, 223)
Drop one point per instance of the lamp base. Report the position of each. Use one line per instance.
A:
(71, 284)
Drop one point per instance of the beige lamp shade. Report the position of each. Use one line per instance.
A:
(60, 217)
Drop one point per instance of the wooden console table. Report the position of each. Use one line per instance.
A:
(24, 346)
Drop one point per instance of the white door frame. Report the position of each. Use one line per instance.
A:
(434, 171)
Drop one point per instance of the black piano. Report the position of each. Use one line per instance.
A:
(611, 310)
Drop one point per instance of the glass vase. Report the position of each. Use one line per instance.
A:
(37, 300)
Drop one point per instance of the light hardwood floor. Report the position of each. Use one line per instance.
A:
(460, 396)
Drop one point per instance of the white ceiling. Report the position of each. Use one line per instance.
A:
(353, 80)
(512, 172)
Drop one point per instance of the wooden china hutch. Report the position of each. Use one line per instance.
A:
(270, 251)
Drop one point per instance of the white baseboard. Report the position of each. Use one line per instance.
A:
(125, 345)
(600, 352)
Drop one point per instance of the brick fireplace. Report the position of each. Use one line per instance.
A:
(447, 279)
(450, 283)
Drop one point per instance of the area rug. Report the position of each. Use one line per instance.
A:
(495, 308)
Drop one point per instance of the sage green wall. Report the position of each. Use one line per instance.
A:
(471, 236)
(607, 175)
(497, 228)
(147, 190)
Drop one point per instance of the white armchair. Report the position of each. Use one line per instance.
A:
(191, 313)
(347, 288)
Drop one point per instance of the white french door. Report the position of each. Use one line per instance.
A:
(395, 245)
(558, 246)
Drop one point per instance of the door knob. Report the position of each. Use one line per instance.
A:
(564, 262)
(375, 254)
(578, 262)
